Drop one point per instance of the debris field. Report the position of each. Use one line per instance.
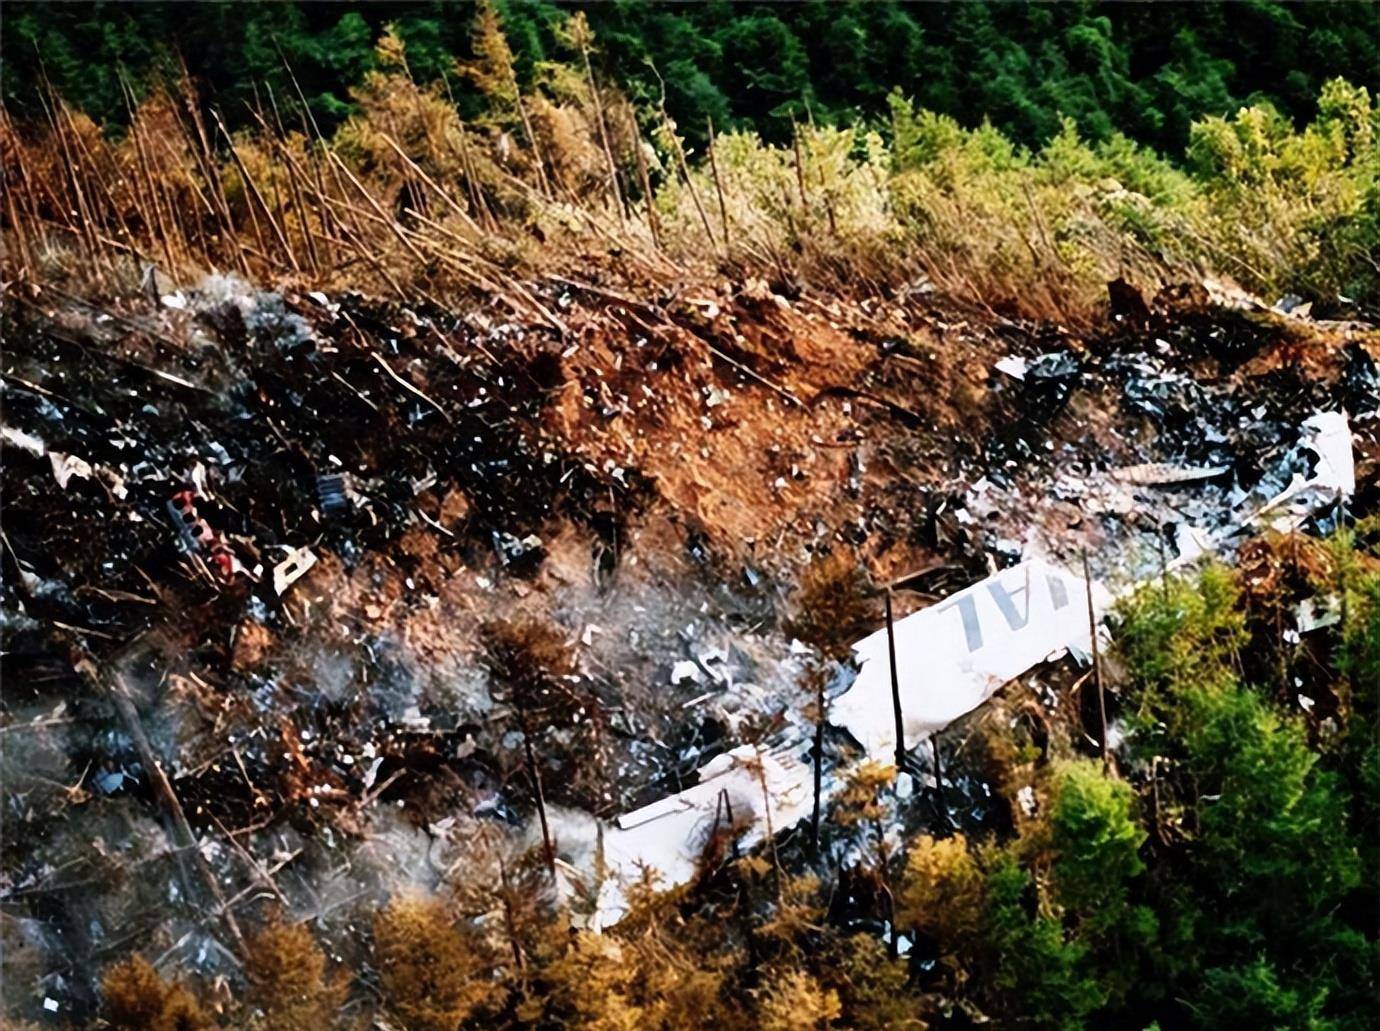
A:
(253, 542)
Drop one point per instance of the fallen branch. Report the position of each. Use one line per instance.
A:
(110, 683)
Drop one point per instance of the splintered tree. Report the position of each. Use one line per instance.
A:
(829, 613)
(536, 677)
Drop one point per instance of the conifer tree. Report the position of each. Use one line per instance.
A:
(289, 986)
(138, 999)
(433, 976)
(829, 613)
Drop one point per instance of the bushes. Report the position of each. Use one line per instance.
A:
(1296, 211)
(1041, 932)
(1096, 836)
(1029, 971)
(1219, 885)
(1256, 896)
(941, 893)
(1040, 232)
(433, 976)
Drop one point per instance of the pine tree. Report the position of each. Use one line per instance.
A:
(433, 976)
(289, 985)
(138, 999)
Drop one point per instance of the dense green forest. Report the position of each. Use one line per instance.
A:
(1145, 70)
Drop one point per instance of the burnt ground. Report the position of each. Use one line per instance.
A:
(646, 476)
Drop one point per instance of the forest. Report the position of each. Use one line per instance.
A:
(1145, 71)
(447, 444)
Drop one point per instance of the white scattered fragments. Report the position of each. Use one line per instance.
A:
(1316, 613)
(67, 466)
(1154, 474)
(1330, 440)
(1328, 436)
(24, 441)
(293, 568)
(1013, 365)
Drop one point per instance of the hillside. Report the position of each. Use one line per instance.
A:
(502, 560)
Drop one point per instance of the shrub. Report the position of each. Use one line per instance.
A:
(433, 976)
(138, 999)
(1031, 973)
(941, 892)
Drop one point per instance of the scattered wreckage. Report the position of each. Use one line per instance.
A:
(921, 675)
(283, 550)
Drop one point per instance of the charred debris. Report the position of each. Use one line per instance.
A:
(276, 564)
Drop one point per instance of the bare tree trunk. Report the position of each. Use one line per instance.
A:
(941, 810)
(509, 923)
(718, 186)
(819, 758)
(535, 776)
(685, 174)
(652, 222)
(1097, 665)
(799, 167)
(532, 140)
(604, 135)
(895, 688)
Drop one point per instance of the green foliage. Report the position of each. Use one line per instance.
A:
(1249, 909)
(1146, 72)
(1304, 205)
(1265, 813)
(1178, 632)
(1018, 172)
(874, 989)
(1255, 903)
(1250, 995)
(1031, 973)
(1096, 839)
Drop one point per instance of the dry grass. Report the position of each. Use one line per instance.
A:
(404, 198)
